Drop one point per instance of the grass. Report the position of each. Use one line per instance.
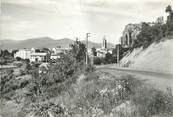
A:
(102, 95)
(150, 101)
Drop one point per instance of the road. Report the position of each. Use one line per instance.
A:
(160, 80)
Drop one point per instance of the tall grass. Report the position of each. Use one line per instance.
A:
(97, 94)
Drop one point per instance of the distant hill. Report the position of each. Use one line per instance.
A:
(43, 42)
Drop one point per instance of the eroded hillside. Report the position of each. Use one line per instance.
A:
(157, 57)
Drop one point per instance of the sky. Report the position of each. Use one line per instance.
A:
(24, 19)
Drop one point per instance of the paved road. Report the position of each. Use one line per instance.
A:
(160, 80)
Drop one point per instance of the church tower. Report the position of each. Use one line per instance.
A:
(104, 46)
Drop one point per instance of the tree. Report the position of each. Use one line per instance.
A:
(79, 51)
(13, 52)
(2, 61)
(160, 20)
(144, 38)
(108, 58)
(5, 53)
(168, 9)
(18, 58)
(46, 50)
(6, 56)
(94, 51)
(169, 21)
(37, 50)
(97, 61)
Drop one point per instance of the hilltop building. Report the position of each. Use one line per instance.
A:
(130, 34)
(131, 31)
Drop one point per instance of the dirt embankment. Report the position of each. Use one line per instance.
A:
(158, 57)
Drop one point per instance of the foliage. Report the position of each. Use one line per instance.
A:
(97, 61)
(61, 74)
(18, 58)
(150, 34)
(9, 85)
(108, 59)
(5, 53)
(78, 51)
(5, 57)
(168, 9)
(144, 38)
(169, 21)
(154, 33)
(96, 94)
(150, 101)
(94, 51)
(63, 91)
(13, 52)
(46, 109)
(103, 94)
(3, 61)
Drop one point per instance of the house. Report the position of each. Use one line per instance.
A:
(101, 52)
(23, 53)
(54, 56)
(32, 55)
(39, 57)
(60, 49)
(57, 50)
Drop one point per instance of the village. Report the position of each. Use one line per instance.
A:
(90, 60)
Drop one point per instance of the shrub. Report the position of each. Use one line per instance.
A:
(97, 61)
(2, 61)
(150, 101)
(18, 58)
(45, 109)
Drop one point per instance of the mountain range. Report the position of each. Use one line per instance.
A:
(44, 42)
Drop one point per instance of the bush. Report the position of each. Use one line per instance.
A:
(3, 61)
(150, 101)
(60, 76)
(18, 58)
(97, 61)
(156, 32)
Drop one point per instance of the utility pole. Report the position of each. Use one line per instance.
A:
(118, 53)
(87, 36)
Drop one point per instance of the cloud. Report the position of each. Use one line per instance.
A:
(27, 2)
(68, 18)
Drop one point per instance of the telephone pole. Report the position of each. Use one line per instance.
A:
(118, 53)
(87, 36)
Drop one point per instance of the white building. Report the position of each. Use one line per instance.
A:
(57, 50)
(38, 57)
(31, 55)
(101, 52)
(54, 56)
(23, 53)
